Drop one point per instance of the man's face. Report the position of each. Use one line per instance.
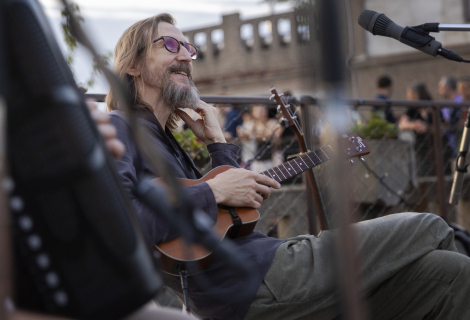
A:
(170, 73)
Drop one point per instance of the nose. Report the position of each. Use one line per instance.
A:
(184, 55)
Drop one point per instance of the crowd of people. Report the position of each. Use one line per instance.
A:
(265, 143)
(415, 124)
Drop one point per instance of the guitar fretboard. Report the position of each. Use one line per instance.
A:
(298, 165)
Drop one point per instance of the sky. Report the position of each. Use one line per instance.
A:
(106, 20)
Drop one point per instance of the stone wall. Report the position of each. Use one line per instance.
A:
(249, 65)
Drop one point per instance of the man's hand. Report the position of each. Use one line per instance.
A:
(107, 130)
(207, 128)
(241, 188)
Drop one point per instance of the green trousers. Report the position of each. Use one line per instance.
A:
(409, 265)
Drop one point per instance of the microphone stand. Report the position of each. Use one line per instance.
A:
(437, 27)
(461, 167)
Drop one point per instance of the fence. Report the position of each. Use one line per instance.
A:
(405, 170)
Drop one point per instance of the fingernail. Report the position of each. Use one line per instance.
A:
(278, 185)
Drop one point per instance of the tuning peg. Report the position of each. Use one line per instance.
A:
(362, 159)
(272, 96)
(351, 162)
(359, 149)
(279, 110)
(281, 95)
(344, 135)
(352, 139)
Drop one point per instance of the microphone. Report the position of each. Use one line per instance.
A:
(379, 24)
(461, 168)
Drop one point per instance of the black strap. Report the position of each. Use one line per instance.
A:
(237, 222)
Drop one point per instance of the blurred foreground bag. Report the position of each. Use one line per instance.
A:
(78, 249)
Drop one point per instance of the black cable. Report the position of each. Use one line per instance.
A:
(380, 180)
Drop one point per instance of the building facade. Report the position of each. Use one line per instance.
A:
(246, 57)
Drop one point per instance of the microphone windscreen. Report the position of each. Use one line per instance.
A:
(365, 18)
(381, 25)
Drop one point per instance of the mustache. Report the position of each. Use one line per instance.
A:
(180, 67)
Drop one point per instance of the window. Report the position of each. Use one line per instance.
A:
(200, 41)
(265, 30)
(247, 36)
(284, 32)
(217, 37)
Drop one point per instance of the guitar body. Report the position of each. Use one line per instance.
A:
(177, 255)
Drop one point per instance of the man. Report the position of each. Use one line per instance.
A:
(447, 89)
(384, 92)
(405, 276)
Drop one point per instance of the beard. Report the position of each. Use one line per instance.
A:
(180, 97)
(175, 96)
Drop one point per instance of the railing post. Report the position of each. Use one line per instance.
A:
(439, 162)
(312, 211)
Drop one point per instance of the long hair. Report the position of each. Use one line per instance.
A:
(131, 51)
(421, 91)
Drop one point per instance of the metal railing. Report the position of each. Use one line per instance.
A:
(435, 182)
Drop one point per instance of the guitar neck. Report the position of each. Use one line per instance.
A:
(298, 165)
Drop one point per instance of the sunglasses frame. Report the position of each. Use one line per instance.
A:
(179, 45)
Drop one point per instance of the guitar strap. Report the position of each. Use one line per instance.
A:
(237, 222)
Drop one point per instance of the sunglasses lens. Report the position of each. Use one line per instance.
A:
(171, 44)
(191, 49)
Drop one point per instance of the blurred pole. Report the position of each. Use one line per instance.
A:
(312, 212)
(438, 155)
(338, 116)
(5, 240)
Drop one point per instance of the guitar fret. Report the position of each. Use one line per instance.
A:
(292, 166)
(298, 165)
(311, 159)
(274, 176)
(325, 154)
(287, 171)
(317, 156)
(306, 159)
(267, 171)
(278, 168)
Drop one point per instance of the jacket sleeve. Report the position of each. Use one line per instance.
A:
(223, 154)
(130, 166)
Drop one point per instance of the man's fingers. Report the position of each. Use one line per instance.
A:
(184, 116)
(263, 191)
(91, 104)
(99, 117)
(258, 198)
(108, 131)
(260, 178)
(116, 147)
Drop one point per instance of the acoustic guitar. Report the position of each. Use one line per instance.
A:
(177, 255)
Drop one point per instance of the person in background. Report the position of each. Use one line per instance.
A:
(463, 88)
(233, 119)
(415, 127)
(447, 88)
(384, 92)
(264, 130)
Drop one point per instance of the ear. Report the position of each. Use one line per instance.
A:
(133, 72)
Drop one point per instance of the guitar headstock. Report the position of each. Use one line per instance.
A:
(353, 146)
(288, 116)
